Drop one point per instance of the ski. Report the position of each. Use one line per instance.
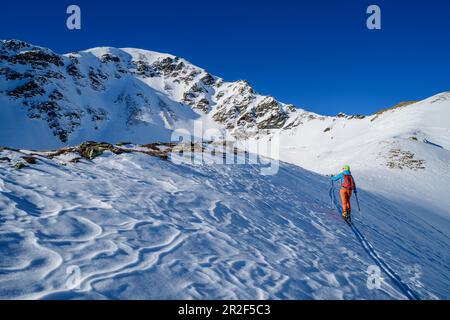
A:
(348, 220)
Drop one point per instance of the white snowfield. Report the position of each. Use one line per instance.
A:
(132, 226)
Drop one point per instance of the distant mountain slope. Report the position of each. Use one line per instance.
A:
(117, 94)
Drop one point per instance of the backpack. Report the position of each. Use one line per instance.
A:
(349, 183)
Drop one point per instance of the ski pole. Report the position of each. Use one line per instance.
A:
(357, 201)
(332, 193)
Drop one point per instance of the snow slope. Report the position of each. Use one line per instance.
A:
(132, 226)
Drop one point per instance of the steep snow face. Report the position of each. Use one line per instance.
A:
(402, 152)
(132, 226)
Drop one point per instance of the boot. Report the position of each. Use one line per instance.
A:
(345, 215)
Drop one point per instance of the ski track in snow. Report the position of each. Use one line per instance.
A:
(136, 227)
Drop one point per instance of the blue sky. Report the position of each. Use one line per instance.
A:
(318, 55)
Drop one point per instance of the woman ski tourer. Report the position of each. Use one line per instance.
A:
(348, 186)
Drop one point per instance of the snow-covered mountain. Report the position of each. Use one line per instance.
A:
(128, 220)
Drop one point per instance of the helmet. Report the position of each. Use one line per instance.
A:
(346, 167)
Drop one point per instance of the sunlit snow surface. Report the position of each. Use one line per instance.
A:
(133, 226)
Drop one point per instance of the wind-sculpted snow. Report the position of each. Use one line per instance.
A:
(133, 226)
